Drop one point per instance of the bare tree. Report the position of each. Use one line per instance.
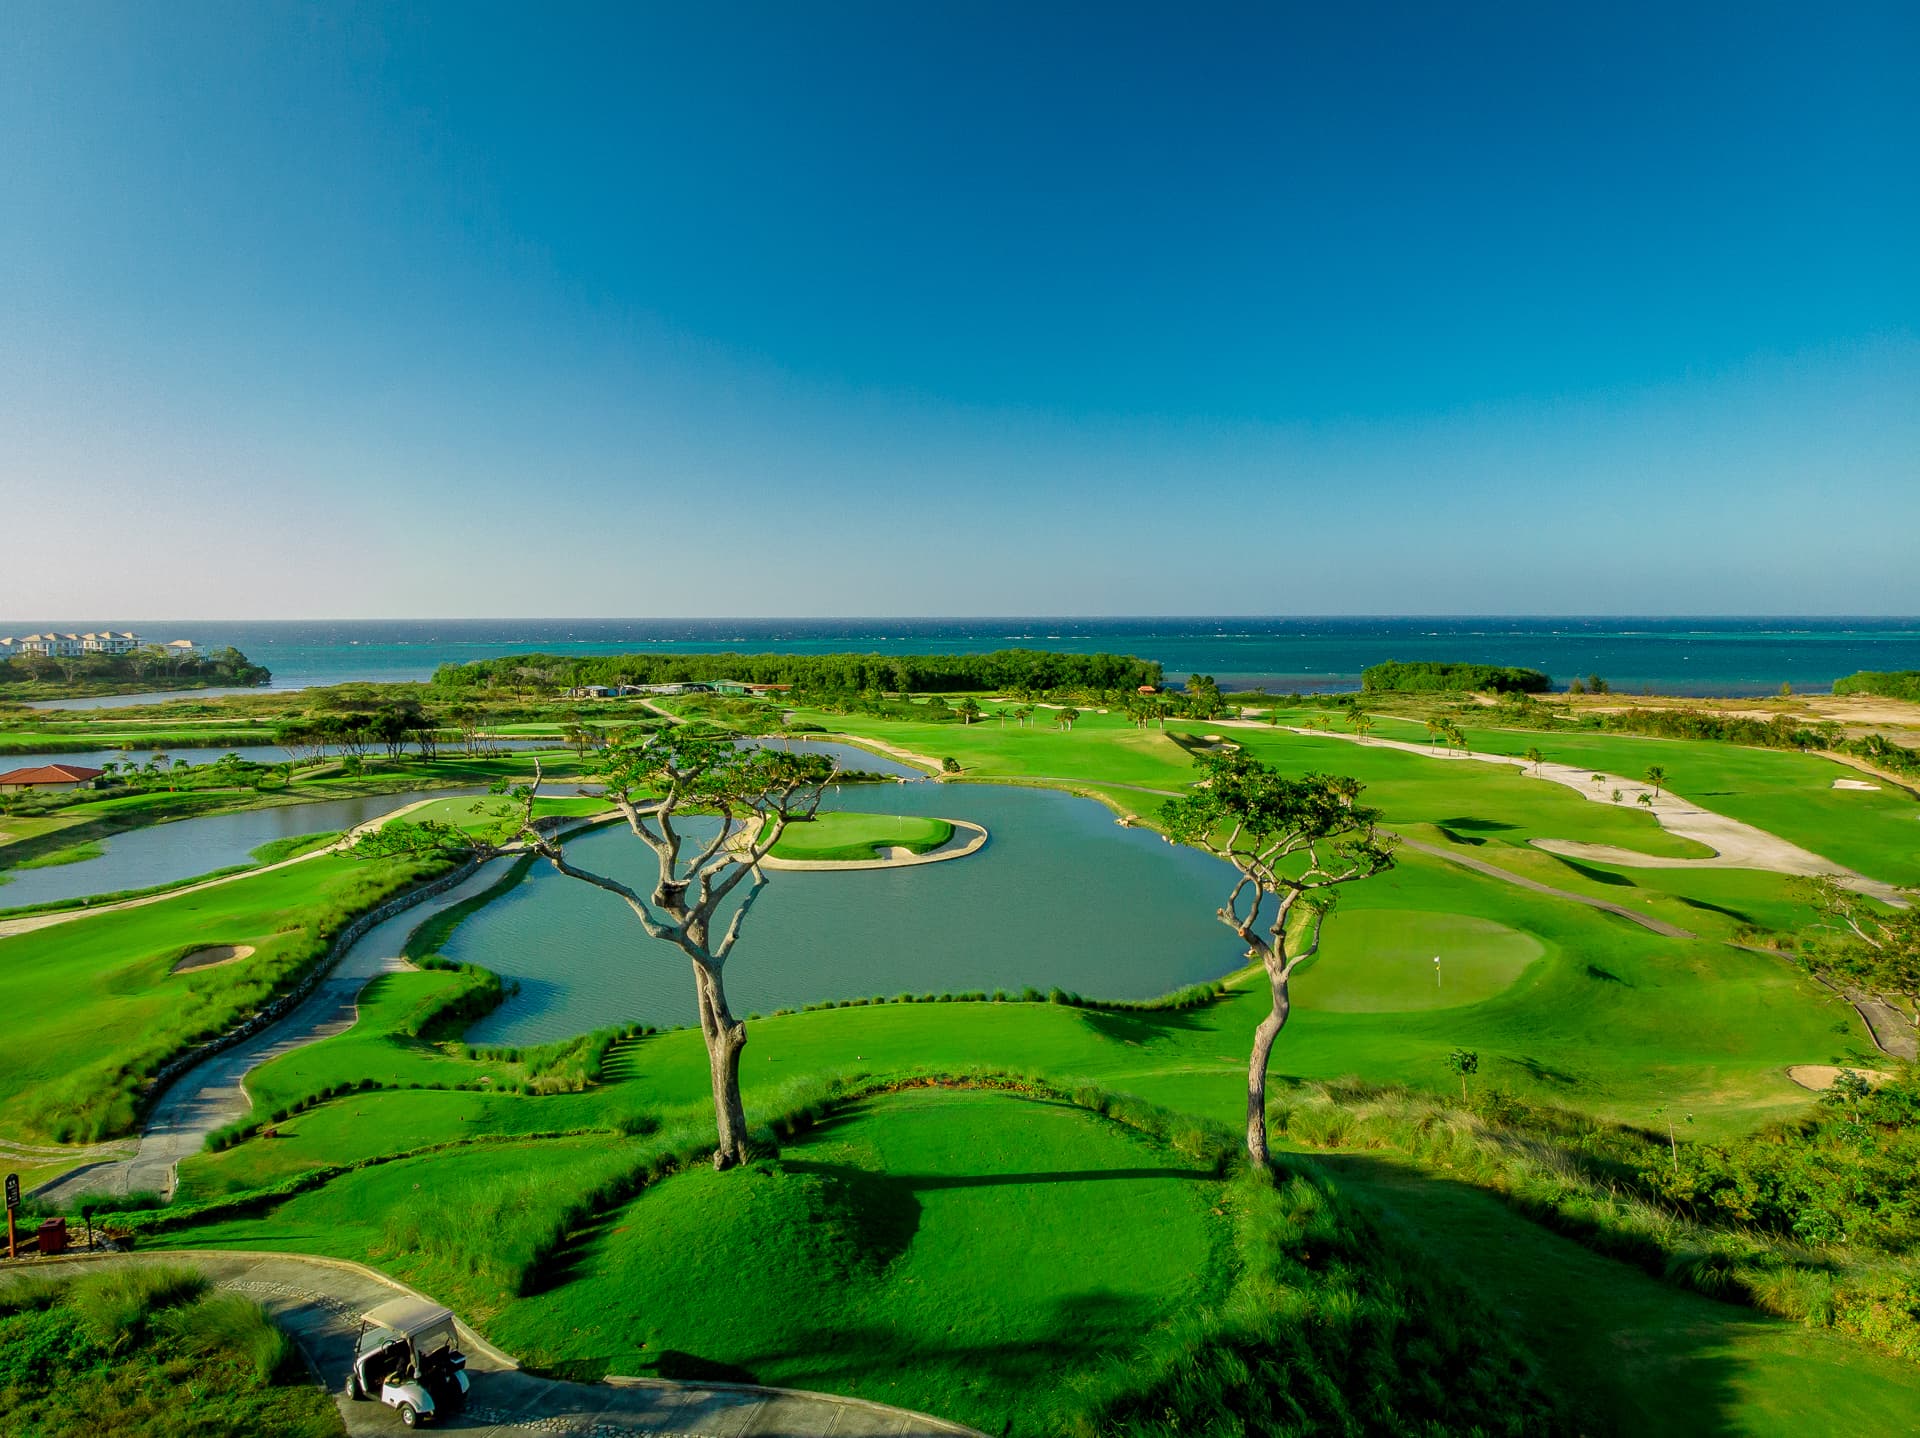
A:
(753, 794)
(1294, 841)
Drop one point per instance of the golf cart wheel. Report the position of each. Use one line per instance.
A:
(409, 1415)
(354, 1390)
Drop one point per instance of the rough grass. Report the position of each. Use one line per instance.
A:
(114, 1352)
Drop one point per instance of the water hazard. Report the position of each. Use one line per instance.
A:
(167, 853)
(1061, 897)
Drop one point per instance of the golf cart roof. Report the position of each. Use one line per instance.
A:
(408, 1315)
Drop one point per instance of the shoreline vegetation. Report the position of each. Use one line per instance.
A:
(27, 678)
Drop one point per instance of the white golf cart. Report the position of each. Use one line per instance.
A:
(406, 1354)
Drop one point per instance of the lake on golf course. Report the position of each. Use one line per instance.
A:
(1061, 896)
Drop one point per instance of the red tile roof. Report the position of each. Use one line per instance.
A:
(51, 774)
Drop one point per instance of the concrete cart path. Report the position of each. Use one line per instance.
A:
(212, 1094)
(318, 1301)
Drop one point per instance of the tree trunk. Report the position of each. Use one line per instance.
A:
(1263, 1038)
(725, 1036)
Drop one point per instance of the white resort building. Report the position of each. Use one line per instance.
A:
(74, 646)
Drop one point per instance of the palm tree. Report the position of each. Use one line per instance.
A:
(1535, 758)
(1657, 777)
(1067, 716)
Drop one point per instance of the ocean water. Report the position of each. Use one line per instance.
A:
(1723, 656)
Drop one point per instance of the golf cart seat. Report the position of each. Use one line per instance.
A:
(385, 1362)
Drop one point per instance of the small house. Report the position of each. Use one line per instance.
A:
(590, 691)
(48, 779)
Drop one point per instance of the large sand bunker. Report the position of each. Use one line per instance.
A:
(213, 956)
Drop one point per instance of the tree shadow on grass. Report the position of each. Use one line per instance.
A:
(1476, 826)
(1599, 876)
(1142, 1027)
(1545, 1073)
(1734, 914)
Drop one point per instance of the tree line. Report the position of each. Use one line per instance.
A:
(1883, 684)
(147, 664)
(1426, 676)
(1032, 671)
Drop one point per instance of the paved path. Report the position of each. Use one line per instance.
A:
(1735, 844)
(318, 1301)
(212, 1093)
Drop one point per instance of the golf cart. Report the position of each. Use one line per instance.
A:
(405, 1355)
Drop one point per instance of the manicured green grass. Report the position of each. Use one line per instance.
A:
(93, 1003)
(955, 1252)
(1389, 962)
(838, 835)
(1874, 831)
(277, 851)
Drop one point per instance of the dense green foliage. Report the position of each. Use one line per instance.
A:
(1779, 732)
(1894, 684)
(1012, 670)
(149, 668)
(1397, 677)
(112, 1353)
(1849, 1173)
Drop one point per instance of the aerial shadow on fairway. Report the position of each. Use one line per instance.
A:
(1608, 976)
(1623, 1352)
(1142, 1027)
(1075, 1332)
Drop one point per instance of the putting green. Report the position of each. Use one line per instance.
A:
(1381, 961)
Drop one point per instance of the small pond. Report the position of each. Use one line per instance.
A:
(1061, 897)
(166, 853)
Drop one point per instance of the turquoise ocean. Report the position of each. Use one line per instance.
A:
(1716, 656)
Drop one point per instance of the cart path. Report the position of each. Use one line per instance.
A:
(213, 1093)
(1735, 844)
(1494, 871)
(319, 1300)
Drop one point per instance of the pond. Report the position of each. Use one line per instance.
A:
(167, 853)
(1062, 896)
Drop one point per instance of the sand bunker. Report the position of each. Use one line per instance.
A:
(1819, 1077)
(1853, 784)
(213, 956)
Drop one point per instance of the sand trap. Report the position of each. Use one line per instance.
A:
(213, 956)
(1821, 1076)
(1853, 784)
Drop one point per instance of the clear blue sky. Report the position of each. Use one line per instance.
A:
(915, 309)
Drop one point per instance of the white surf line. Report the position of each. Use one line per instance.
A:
(1735, 845)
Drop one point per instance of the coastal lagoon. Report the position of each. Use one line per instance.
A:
(1061, 896)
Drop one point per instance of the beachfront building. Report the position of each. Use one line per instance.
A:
(48, 779)
(72, 646)
(181, 649)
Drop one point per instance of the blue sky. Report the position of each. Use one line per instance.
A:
(882, 309)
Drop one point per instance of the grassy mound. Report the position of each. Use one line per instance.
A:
(113, 1352)
(959, 1252)
(852, 837)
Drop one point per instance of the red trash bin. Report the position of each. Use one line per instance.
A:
(53, 1235)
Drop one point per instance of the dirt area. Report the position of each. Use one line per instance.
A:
(213, 956)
